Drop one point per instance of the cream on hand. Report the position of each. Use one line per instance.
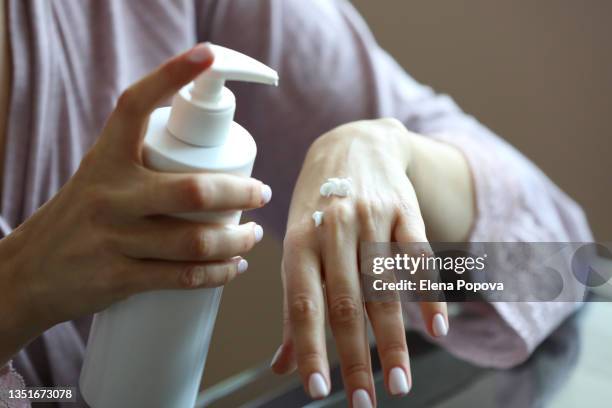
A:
(338, 186)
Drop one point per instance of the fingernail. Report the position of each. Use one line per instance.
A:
(199, 53)
(276, 355)
(258, 230)
(439, 325)
(317, 387)
(398, 382)
(361, 399)
(242, 266)
(266, 193)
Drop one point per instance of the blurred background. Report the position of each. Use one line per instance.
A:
(538, 73)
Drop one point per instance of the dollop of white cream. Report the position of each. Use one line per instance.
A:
(317, 217)
(337, 186)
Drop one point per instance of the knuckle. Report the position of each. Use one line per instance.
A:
(393, 348)
(199, 243)
(229, 273)
(197, 192)
(97, 205)
(340, 213)
(343, 311)
(108, 242)
(248, 242)
(196, 276)
(128, 102)
(308, 357)
(357, 368)
(303, 309)
(295, 239)
(385, 308)
(254, 194)
(364, 208)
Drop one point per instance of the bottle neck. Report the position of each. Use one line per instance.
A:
(200, 122)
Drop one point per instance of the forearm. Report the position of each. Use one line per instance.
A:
(16, 328)
(443, 183)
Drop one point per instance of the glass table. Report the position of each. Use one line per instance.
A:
(572, 368)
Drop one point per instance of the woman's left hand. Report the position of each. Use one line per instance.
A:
(382, 207)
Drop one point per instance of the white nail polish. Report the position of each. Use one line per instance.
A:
(361, 399)
(439, 325)
(398, 382)
(317, 387)
(266, 193)
(276, 355)
(199, 53)
(242, 266)
(258, 230)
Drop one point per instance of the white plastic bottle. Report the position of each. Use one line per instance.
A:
(148, 351)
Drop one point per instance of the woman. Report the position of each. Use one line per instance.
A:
(99, 237)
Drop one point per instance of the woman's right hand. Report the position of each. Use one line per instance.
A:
(107, 233)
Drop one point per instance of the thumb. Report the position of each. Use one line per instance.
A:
(128, 120)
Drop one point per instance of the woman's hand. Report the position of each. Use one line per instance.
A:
(320, 264)
(107, 233)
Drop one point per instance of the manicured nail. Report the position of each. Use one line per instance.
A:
(317, 387)
(398, 382)
(266, 193)
(258, 230)
(361, 399)
(439, 325)
(242, 266)
(276, 355)
(200, 53)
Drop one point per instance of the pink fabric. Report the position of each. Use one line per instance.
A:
(72, 59)
(520, 205)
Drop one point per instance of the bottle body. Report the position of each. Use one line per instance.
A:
(149, 350)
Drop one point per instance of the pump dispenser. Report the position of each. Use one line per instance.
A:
(149, 350)
(203, 112)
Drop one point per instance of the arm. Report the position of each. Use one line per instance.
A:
(107, 233)
(444, 187)
(333, 72)
(13, 309)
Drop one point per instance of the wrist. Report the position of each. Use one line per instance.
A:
(440, 175)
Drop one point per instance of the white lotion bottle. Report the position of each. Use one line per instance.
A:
(149, 350)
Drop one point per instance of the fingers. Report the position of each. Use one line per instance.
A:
(137, 102)
(148, 275)
(345, 305)
(388, 326)
(283, 361)
(305, 305)
(388, 323)
(171, 239)
(164, 193)
(435, 314)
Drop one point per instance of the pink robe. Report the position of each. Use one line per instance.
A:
(73, 58)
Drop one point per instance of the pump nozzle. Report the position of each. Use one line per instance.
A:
(203, 111)
(230, 65)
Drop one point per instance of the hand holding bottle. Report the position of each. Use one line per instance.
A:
(107, 234)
